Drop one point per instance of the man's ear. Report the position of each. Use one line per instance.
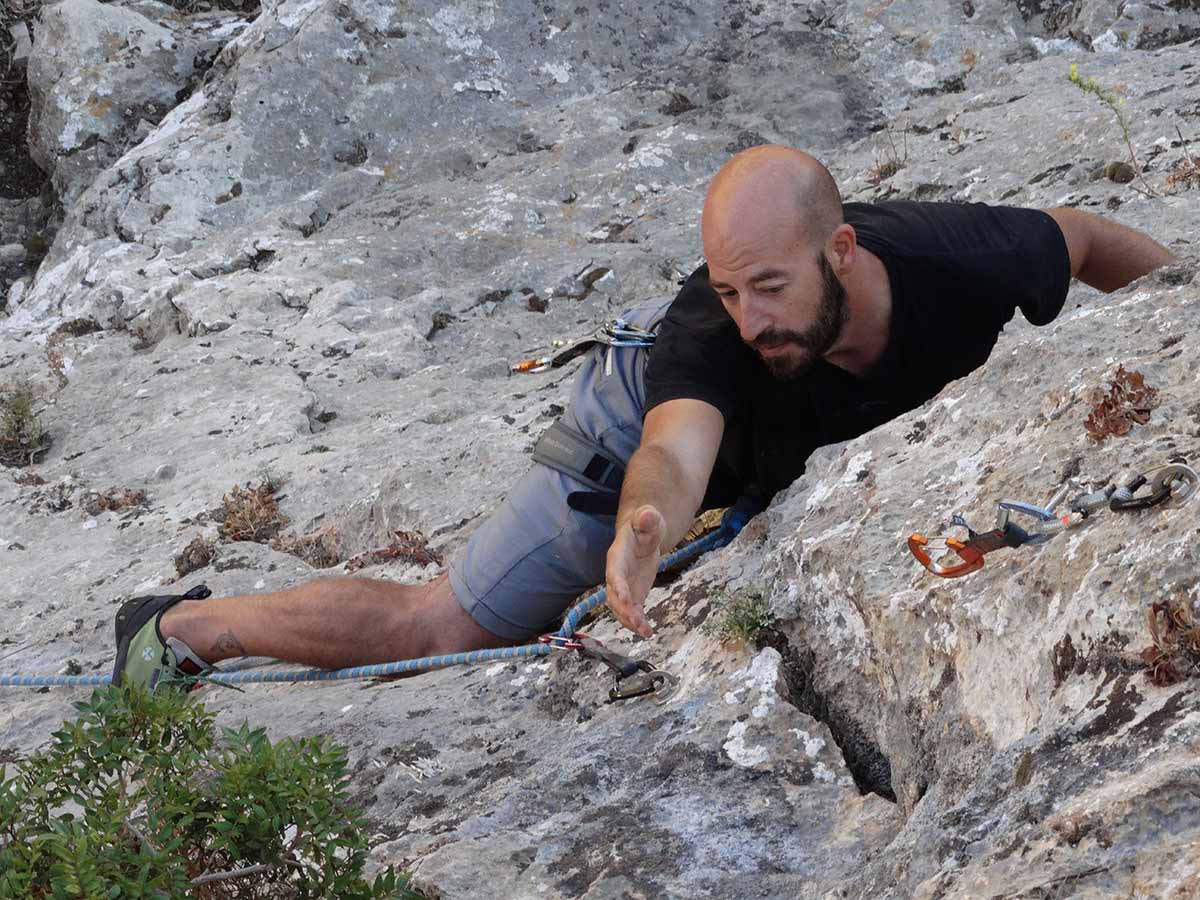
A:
(842, 248)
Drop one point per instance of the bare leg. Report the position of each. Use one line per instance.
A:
(331, 623)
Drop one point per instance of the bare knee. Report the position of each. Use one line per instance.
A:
(450, 628)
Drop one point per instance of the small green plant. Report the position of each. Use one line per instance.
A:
(1091, 86)
(22, 438)
(270, 480)
(138, 798)
(739, 618)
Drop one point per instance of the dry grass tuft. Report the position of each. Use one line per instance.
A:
(1127, 402)
(113, 500)
(894, 158)
(1184, 175)
(252, 513)
(23, 440)
(196, 555)
(882, 171)
(321, 549)
(1174, 652)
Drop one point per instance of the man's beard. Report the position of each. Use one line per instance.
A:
(805, 347)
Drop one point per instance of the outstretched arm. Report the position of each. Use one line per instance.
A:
(1104, 254)
(663, 488)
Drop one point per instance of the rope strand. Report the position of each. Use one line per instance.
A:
(731, 524)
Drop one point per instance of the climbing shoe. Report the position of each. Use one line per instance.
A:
(143, 656)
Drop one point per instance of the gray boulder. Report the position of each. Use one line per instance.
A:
(102, 75)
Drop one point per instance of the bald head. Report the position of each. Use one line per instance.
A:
(773, 191)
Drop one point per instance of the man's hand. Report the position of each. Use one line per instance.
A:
(632, 565)
(663, 487)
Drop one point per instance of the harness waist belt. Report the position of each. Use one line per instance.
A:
(566, 450)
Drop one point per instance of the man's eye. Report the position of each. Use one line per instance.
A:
(773, 289)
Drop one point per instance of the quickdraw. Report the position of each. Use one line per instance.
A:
(971, 551)
(631, 677)
(1172, 481)
(613, 333)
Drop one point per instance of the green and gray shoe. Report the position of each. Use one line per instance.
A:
(143, 656)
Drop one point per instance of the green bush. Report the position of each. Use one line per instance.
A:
(138, 798)
(739, 618)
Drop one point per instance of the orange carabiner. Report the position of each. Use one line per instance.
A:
(972, 559)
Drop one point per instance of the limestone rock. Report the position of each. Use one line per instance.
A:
(1105, 26)
(22, 43)
(98, 70)
(313, 267)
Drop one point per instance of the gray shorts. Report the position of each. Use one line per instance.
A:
(522, 568)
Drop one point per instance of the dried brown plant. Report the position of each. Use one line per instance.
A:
(321, 549)
(252, 514)
(114, 500)
(54, 345)
(196, 555)
(1184, 175)
(1174, 652)
(405, 546)
(1128, 401)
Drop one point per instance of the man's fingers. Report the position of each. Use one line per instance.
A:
(635, 565)
(626, 612)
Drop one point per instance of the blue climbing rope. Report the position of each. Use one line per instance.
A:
(731, 523)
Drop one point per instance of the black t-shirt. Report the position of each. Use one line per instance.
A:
(957, 274)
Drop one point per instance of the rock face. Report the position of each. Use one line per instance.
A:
(320, 263)
(25, 214)
(103, 75)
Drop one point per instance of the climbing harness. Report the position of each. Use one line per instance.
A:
(631, 677)
(734, 519)
(1167, 482)
(565, 450)
(615, 333)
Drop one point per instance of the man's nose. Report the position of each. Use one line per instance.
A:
(752, 321)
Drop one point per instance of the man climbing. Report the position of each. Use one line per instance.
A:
(811, 323)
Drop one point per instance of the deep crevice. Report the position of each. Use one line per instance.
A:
(30, 212)
(870, 769)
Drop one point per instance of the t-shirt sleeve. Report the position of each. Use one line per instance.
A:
(984, 261)
(1035, 270)
(695, 353)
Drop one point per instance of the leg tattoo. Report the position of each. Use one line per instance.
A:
(229, 644)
